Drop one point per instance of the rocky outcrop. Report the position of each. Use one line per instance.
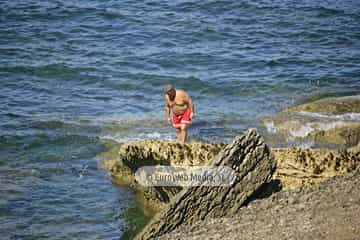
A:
(298, 168)
(122, 161)
(328, 211)
(348, 135)
(254, 165)
(333, 105)
(329, 122)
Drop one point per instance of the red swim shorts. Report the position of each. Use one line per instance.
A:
(181, 119)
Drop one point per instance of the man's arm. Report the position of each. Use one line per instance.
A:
(191, 106)
(167, 109)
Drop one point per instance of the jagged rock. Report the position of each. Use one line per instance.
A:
(297, 168)
(249, 156)
(151, 152)
(123, 161)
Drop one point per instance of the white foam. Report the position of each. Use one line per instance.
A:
(301, 131)
(305, 145)
(345, 117)
(329, 125)
(126, 118)
(270, 127)
(120, 138)
(295, 129)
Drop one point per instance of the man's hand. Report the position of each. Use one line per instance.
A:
(169, 121)
(192, 115)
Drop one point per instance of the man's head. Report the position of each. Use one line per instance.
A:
(170, 91)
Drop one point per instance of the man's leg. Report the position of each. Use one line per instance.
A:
(183, 133)
(178, 131)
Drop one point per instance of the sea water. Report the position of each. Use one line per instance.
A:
(74, 74)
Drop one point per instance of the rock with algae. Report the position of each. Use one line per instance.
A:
(332, 105)
(348, 135)
(298, 168)
(123, 160)
(328, 122)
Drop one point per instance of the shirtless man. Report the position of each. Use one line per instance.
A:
(182, 110)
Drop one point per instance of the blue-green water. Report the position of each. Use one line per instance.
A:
(75, 73)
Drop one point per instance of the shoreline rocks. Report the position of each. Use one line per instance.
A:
(253, 163)
(329, 210)
(347, 135)
(329, 122)
(299, 168)
(331, 105)
(122, 161)
(296, 167)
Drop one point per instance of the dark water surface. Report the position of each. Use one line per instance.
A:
(75, 73)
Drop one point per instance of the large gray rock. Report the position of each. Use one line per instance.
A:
(254, 165)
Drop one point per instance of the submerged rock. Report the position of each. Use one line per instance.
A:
(333, 105)
(329, 122)
(254, 165)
